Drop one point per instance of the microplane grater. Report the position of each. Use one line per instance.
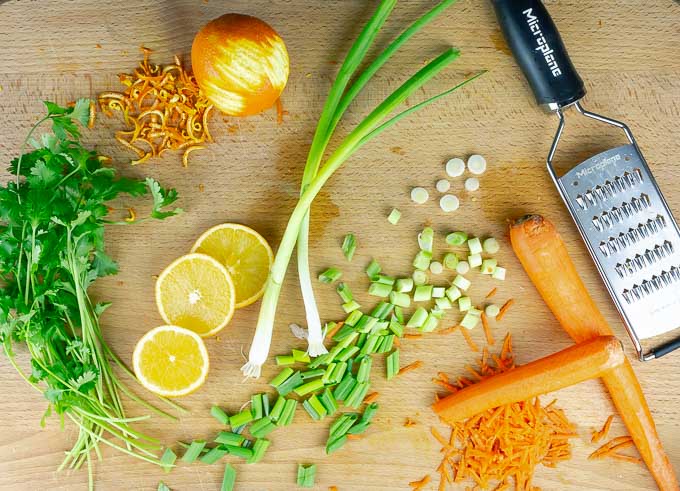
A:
(615, 201)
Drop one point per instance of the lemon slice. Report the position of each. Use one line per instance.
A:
(246, 255)
(197, 293)
(171, 361)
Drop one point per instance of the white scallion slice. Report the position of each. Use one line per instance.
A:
(450, 261)
(453, 293)
(475, 246)
(470, 321)
(464, 304)
(449, 203)
(404, 285)
(498, 273)
(476, 164)
(426, 239)
(438, 292)
(436, 267)
(471, 184)
(461, 282)
(443, 303)
(455, 167)
(489, 266)
(475, 260)
(491, 246)
(474, 311)
(419, 195)
(443, 185)
(492, 311)
(394, 216)
(463, 267)
(419, 277)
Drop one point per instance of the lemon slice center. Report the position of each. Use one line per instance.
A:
(194, 297)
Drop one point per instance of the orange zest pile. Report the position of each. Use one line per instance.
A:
(505, 444)
(163, 109)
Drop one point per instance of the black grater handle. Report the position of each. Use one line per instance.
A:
(662, 350)
(540, 52)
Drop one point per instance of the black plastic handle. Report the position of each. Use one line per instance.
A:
(539, 51)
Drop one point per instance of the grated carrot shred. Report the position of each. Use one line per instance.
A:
(409, 423)
(504, 309)
(468, 339)
(163, 108)
(487, 330)
(371, 397)
(599, 435)
(492, 292)
(612, 445)
(412, 336)
(332, 488)
(413, 366)
(335, 330)
(447, 330)
(416, 485)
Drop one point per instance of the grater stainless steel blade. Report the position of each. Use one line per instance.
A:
(617, 205)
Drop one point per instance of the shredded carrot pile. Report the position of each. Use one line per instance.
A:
(503, 445)
(599, 435)
(163, 109)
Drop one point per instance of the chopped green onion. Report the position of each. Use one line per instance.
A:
(230, 438)
(491, 246)
(419, 195)
(370, 345)
(455, 167)
(331, 275)
(430, 324)
(319, 360)
(288, 412)
(476, 164)
(358, 428)
(385, 279)
(259, 448)
(168, 459)
(456, 238)
(469, 321)
(437, 312)
(426, 239)
(344, 387)
(492, 311)
(475, 246)
(386, 343)
(328, 373)
(356, 396)
(382, 310)
(369, 412)
(399, 314)
(257, 406)
(351, 306)
(423, 293)
(449, 203)
(489, 266)
(349, 246)
(392, 364)
(162, 486)
(194, 451)
(219, 414)
(400, 299)
(314, 405)
(229, 478)
(339, 372)
(404, 285)
(347, 353)
(240, 452)
(241, 418)
(475, 260)
(419, 277)
(290, 384)
(418, 318)
(461, 282)
(344, 332)
(309, 387)
(422, 260)
(301, 356)
(344, 292)
(340, 426)
(281, 377)
(306, 476)
(453, 293)
(464, 303)
(397, 328)
(312, 373)
(471, 184)
(436, 267)
(353, 318)
(443, 303)
(379, 290)
(442, 185)
(450, 261)
(498, 273)
(394, 216)
(463, 267)
(283, 360)
(336, 444)
(214, 454)
(438, 292)
(262, 427)
(329, 402)
(277, 409)
(364, 371)
(373, 269)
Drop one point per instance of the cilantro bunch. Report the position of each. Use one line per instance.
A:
(52, 248)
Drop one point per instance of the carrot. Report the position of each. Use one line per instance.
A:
(492, 292)
(470, 342)
(335, 330)
(413, 366)
(371, 397)
(625, 458)
(487, 330)
(544, 256)
(447, 330)
(573, 365)
(599, 435)
(332, 488)
(618, 443)
(412, 336)
(506, 306)
(409, 423)
(419, 484)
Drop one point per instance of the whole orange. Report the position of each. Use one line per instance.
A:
(240, 63)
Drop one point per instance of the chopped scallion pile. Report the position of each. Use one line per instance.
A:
(349, 246)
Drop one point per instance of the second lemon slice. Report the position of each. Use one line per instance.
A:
(196, 292)
(246, 255)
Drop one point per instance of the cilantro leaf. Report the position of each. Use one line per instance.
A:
(81, 111)
(161, 199)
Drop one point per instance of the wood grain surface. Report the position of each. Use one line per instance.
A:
(627, 51)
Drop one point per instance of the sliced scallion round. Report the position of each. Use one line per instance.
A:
(449, 202)
(443, 185)
(436, 267)
(491, 246)
(419, 277)
(463, 267)
(471, 184)
(419, 195)
(491, 310)
(476, 164)
(455, 167)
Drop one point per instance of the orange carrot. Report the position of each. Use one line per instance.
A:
(544, 256)
(412, 336)
(409, 422)
(487, 330)
(573, 365)
(470, 342)
(335, 330)
(371, 397)
(413, 366)
(354, 437)
(419, 484)
(492, 292)
(506, 306)
(447, 330)
(599, 435)
(618, 443)
(625, 458)
(332, 488)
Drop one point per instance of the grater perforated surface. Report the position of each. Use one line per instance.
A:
(631, 235)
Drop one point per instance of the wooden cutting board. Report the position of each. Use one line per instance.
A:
(628, 52)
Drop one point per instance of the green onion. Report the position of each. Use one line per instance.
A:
(469, 321)
(309, 387)
(265, 404)
(229, 478)
(214, 454)
(450, 261)
(344, 387)
(358, 428)
(344, 292)
(400, 299)
(461, 282)
(276, 411)
(290, 384)
(315, 408)
(353, 318)
(219, 414)
(430, 324)
(350, 306)
(230, 438)
(356, 396)
(382, 310)
(331, 275)
(392, 364)
(329, 402)
(336, 444)
(443, 303)
(349, 246)
(397, 328)
(312, 373)
(399, 314)
(370, 345)
(418, 318)
(365, 324)
(475, 260)
(259, 448)
(262, 427)
(394, 216)
(475, 246)
(426, 240)
(498, 273)
(423, 293)
(288, 412)
(386, 344)
(319, 360)
(257, 406)
(347, 353)
(419, 277)
(492, 311)
(422, 260)
(464, 303)
(453, 293)
(436, 267)
(373, 269)
(489, 266)
(281, 377)
(241, 452)
(194, 451)
(491, 246)
(385, 279)
(241, 418)
(283, 360)
(438, 292)
(369, 412)
(456, 238)
(475, 311)
(300, 356)
(344, 332)
(162, 486)
(404, 285)
(340, 426)
(364, 371)
(168, 459)
(437, 312)
(306, 476)
(379, 290)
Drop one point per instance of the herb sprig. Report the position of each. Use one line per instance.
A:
(52, 249)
